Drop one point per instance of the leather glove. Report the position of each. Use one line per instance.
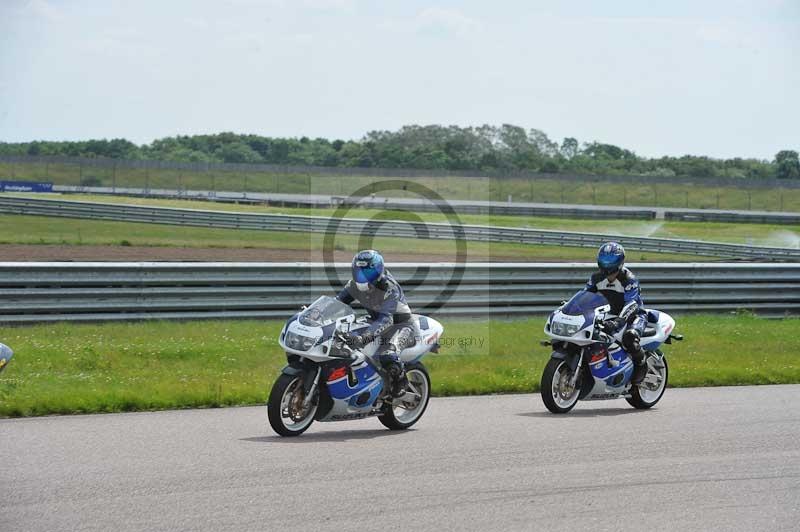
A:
(358, 341)
(612, 325)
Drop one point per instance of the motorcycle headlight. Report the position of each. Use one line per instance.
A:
(299, 342)
(564, 329)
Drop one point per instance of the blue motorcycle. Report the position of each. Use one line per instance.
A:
(327, 380)
(587, 363)
(5, 356)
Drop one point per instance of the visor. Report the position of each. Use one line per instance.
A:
(366, 274)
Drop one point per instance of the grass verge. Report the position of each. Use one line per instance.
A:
(69, 368)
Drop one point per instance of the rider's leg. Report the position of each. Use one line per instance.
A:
(392, 343)
(631, 342)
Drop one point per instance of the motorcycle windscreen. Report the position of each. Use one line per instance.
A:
(584, 302)
(324, 311)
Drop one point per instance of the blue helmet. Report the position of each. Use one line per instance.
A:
(610, 257)
(367, 268)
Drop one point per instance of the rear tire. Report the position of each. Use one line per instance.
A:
(557, 398)
(644, 399)
(280, 410)
(403, 417)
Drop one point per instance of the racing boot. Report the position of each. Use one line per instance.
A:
(630, 341)
(397, 374)
(639, 373)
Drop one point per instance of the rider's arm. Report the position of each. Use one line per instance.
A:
(632, 299)
(384, 317)
(344, 295)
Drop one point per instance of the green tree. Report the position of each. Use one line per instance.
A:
(569, 147)
(787, 165)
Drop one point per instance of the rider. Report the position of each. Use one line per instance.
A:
(621, 289)
(389, 314)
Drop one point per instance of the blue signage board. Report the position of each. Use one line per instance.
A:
(25, 186)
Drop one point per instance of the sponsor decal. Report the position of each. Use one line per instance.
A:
(598, 357)
(345, 417)
(337, 374)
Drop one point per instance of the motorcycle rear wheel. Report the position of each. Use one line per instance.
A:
(556, 396)
(281, 412)
(644, 399)
(404, 416)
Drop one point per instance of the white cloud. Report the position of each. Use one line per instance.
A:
(45, 10)
(196, 22)
(331, 5)
(438, 19)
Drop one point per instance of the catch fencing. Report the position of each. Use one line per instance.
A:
(48, 292)
(335, 171)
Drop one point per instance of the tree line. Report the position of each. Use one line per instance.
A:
(492, 149)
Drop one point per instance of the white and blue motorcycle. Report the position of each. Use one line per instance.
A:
(5, 356)
(327, 380)
(587, 363)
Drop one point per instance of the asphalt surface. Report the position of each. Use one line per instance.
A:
(703, 459)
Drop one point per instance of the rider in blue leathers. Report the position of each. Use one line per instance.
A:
(389, 314)
(621, 288)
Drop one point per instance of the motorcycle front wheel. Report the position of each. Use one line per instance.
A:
(285, 410)
(558, 396)
(401, 416)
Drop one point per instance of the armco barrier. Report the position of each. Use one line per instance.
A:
(402, 229)
(45, 292)
(605, 212)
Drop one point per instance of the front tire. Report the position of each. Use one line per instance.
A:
(643, 398)
(284, 408)
(557, 395)
(404, 415)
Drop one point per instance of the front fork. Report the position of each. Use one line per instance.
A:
(309, 376)
(573, 361)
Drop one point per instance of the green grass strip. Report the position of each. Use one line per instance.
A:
(81, 368)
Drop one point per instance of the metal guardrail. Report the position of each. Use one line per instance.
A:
(46, 292)
(400, 229)
(603, 212)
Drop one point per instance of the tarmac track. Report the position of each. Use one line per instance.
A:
(702, 459)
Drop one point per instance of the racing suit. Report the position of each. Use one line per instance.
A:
(626, 302)
(389, 321)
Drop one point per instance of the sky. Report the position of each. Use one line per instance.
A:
(716, 77)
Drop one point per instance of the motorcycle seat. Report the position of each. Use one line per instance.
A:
(652, 315)
(649, 331)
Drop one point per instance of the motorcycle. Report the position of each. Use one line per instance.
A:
(5, 356)
(327, 380)
(588, 363)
